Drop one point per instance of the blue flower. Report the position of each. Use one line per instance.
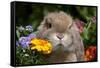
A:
(24, 42)
(31, 36)
(29, 28)
(17, 44)
(21, 29)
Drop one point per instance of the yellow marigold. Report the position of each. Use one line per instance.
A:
(41, 46)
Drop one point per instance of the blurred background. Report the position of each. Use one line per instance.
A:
(33, 13)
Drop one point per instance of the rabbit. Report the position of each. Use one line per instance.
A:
(61, 31)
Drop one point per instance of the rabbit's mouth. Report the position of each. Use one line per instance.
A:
(58, 47)
(60, 43)
(63, 44)
(57, 43)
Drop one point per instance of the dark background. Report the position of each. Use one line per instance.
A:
(32, 14)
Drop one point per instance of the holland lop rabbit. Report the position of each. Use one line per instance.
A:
(62, 32)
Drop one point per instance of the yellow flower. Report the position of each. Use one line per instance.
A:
(41, 46)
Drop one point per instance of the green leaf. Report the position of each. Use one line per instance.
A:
(18, 33)
(85, 33)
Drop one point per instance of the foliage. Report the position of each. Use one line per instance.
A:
(88, 33)
(28, 57)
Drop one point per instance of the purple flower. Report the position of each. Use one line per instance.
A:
(24, 42)
(29, 28)
(17, 44)
(21, 29)
(94, 19)
(31, 36)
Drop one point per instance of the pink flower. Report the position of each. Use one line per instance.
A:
(94, 19)
(79, 24)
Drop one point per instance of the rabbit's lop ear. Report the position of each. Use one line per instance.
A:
(70, 25)
(69, 18)
(70, 21)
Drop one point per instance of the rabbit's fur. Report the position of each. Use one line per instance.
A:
(61, 31)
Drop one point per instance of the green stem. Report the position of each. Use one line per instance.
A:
(89, 25)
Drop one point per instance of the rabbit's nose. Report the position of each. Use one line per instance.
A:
(60, 36)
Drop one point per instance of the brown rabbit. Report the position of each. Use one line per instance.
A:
(61, 31)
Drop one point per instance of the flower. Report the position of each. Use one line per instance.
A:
(31, 36)
(24, 42)
(21, 29)
(80, 25)
(94, 19)
(41, 46)
(90, 53)
(29, 28)
(17, 44)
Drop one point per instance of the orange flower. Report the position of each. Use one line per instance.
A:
(90, 53)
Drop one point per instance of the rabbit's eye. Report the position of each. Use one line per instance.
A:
(49, 25)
